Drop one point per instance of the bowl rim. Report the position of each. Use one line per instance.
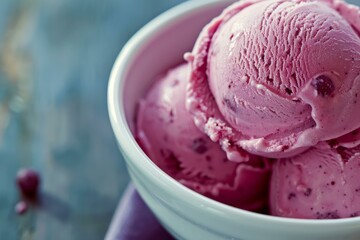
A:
(124, 136)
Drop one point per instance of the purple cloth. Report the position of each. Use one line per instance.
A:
(134, 221)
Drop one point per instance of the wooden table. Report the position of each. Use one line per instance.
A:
(55, 59)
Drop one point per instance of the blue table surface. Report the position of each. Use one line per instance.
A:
(55, 60)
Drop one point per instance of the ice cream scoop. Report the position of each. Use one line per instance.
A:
(276, 77)
(168, 135)
(322, 183)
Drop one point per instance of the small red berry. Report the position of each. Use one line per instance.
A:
(28, 182)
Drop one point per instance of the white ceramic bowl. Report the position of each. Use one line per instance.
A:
(188, 215)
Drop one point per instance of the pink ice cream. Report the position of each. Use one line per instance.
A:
(276, 77)
(168, 135)
(322, 183)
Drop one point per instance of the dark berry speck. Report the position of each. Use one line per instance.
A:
(199, 145)
(355, 214)
(288, 91)
(327, 215)
(230, 103)
(291, 196)
(308, 192)
(323, 85)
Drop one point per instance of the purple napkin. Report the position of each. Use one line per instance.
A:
(134, 221)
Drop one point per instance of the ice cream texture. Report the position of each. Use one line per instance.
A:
(168, 135)
(277, 77)
(322, 183)
(266, 79)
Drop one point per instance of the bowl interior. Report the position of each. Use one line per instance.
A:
(162, 50)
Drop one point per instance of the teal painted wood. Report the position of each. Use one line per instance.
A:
(55, 59)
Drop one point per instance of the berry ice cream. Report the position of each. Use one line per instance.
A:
(322, 183)
(266, 79)
(276, 77)
(168, 135)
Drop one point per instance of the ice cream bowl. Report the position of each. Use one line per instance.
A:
(184, 213)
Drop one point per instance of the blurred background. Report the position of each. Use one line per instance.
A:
(55, 60)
